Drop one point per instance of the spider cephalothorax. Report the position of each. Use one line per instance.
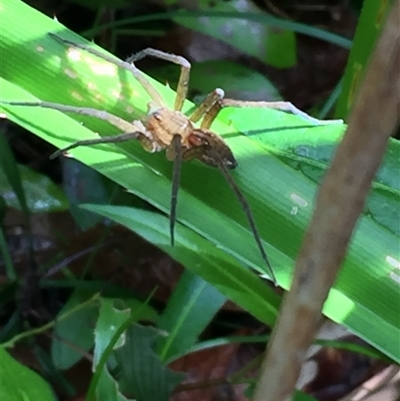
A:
(162, 124)
(171, 130)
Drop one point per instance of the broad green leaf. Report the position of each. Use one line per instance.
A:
(42, 195)
(212, 264)
(231, 31)
(142, 373)
(191, 17)
(281, 48)
(311, 154)
(114, 320)
(281, 195)
(110, 319)
(75, 330)
(191, 307)
(19, 383)
(75, 175)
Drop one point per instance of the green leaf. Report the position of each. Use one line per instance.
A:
(109, 321)
(370, 22)
(191, 307)
(212, 264)
(281, 48)
(19, 383)
(74, 174)
(110, 333)
(228, 20)
(76, 330)
(142, 373)
(192, 18)
(311, 155)
(231, 30)
(11, 173)
(280, 193)
(41, 194)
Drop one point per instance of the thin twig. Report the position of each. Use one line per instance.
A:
(339, 203)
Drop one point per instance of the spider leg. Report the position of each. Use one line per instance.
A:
(182, 88)
(206, 105)
(118, 122)
(247, 211)
(282, 106)
(212, 113)
(110, 139)
(174, 152)
(134, 130)
(147, 86)
(195, 153)
(177, 154)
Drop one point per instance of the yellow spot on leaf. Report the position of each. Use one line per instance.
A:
(77, 95)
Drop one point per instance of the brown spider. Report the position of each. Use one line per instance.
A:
(171, 130)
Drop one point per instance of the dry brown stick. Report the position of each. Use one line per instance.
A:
(339, 203)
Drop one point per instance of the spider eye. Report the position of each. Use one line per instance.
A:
(157, 116)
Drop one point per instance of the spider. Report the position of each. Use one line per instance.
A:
(171, 130)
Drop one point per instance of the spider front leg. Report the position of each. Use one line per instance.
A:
(212, 112)
(282, 106)
(176, 154)
(207, 105)
(182, 88)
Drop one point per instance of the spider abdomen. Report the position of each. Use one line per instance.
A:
(215, 150)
